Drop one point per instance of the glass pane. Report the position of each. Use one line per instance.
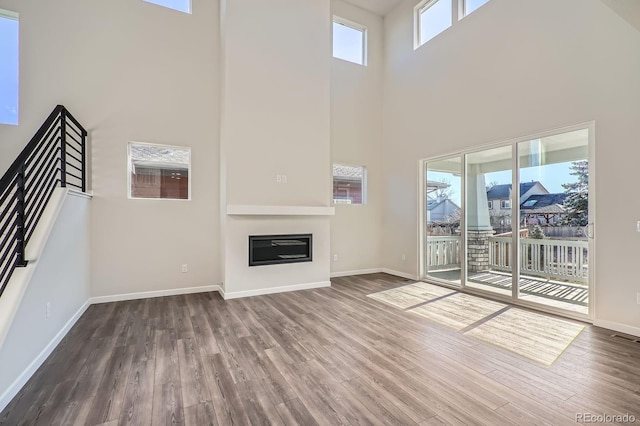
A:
(349, 184)
(554, 258)
(159, 171)
(179, 5)
(471, 5)
(443, 199)
(8, 70)
(348, 43)
(489, 221)
(434, 19)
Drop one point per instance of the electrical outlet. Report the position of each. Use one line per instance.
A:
(47, 311)
(638, 226)
(404, 257)
(184, 268)
(335, 257)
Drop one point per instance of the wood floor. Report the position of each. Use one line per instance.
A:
(329, 356)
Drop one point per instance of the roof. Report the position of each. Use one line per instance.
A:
(432, 185)
(432, 204)
(503, 192)
(552, 209)
(545, 203)
(158, 154)
(347, 172)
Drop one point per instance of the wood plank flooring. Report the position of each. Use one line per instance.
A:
(329, 356)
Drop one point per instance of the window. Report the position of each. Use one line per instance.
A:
(349, 41)
(490, 203)
(432, 18)
(529, 203)
(8, 67)
(505, 204)
(159, 171)
(349, 184)
(179, 5)
(472, 5)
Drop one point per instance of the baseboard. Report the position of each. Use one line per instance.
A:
(271, 290)
(615, 326)
(399, 274)
(150, 294)
(15, 387)
(356, 272)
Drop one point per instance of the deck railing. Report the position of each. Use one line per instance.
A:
(443, 252)
(560, 259)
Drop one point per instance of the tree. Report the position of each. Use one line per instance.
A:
(577, 201)
(537, 233)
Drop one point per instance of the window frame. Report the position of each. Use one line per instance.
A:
(364, 185)
(505, 204)
(462, 5)
(130, 169)
(490, 204)
(14, 16)
(422, 7)
(458, 12)
(354, 26)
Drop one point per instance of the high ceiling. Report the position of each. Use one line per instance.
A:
(379, 7)
(629, 10)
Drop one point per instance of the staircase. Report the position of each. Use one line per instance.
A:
(55, 157)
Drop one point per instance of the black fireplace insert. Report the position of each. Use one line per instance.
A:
(277, 249)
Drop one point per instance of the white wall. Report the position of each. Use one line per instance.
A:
(130, 71)
(275, 111)
(61, 277)
(510, 69)
(356, 139)
(275, 116)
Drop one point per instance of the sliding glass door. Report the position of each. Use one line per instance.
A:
(443, 188)
(489, 220)
(554, 220)
(513, 221)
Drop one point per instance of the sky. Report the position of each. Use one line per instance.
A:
(434, 20)
(552, 176)
(348, 43)
(472, 5)
(8, 71)
(181, 5)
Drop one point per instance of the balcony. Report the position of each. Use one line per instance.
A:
(552, 271)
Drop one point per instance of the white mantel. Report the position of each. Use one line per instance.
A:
(259, 210)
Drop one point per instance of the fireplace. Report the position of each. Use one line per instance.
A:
(278, 249)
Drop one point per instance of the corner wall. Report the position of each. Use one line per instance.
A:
(510, 69)
(356, 140)
(130, 70)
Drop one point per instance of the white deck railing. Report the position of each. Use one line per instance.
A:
(443, 253)
(562, 259)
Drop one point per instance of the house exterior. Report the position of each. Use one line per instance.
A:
(442, 210)
(159, 173)
(499, 198)
(543, 209)
(348, 184)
